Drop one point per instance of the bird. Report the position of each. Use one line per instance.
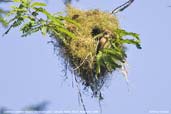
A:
(103, 40)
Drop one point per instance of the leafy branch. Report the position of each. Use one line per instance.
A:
(2, 13)
(114, 56)
(92, 47)
(27, 15)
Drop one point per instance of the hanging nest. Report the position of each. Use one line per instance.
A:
(91, 42)
(95, 48)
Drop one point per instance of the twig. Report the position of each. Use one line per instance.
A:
(82, 62)
(100, 106)
(80, 95)
(124, 71)
(122, 7)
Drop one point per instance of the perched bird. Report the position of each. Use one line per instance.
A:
(103, 40)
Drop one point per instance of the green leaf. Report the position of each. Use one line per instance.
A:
(122, 33)
(3, 22)
(31, 31)
(65, 31)
(44, 30)
(35, 4)
(131, 41)
(16, 0)
(111, 63)
(98, 62)
(70, 21)
(115, 54)
(3, 11)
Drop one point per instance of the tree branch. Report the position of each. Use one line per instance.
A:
(122, 7)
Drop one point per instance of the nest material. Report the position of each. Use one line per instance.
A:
(90, 53)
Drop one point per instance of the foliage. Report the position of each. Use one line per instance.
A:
(90, 41)
(2, 21)
(27, 14)
(2, 13)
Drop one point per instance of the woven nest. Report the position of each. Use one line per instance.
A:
(95, 50)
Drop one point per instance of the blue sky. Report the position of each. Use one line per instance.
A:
(30, 72)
